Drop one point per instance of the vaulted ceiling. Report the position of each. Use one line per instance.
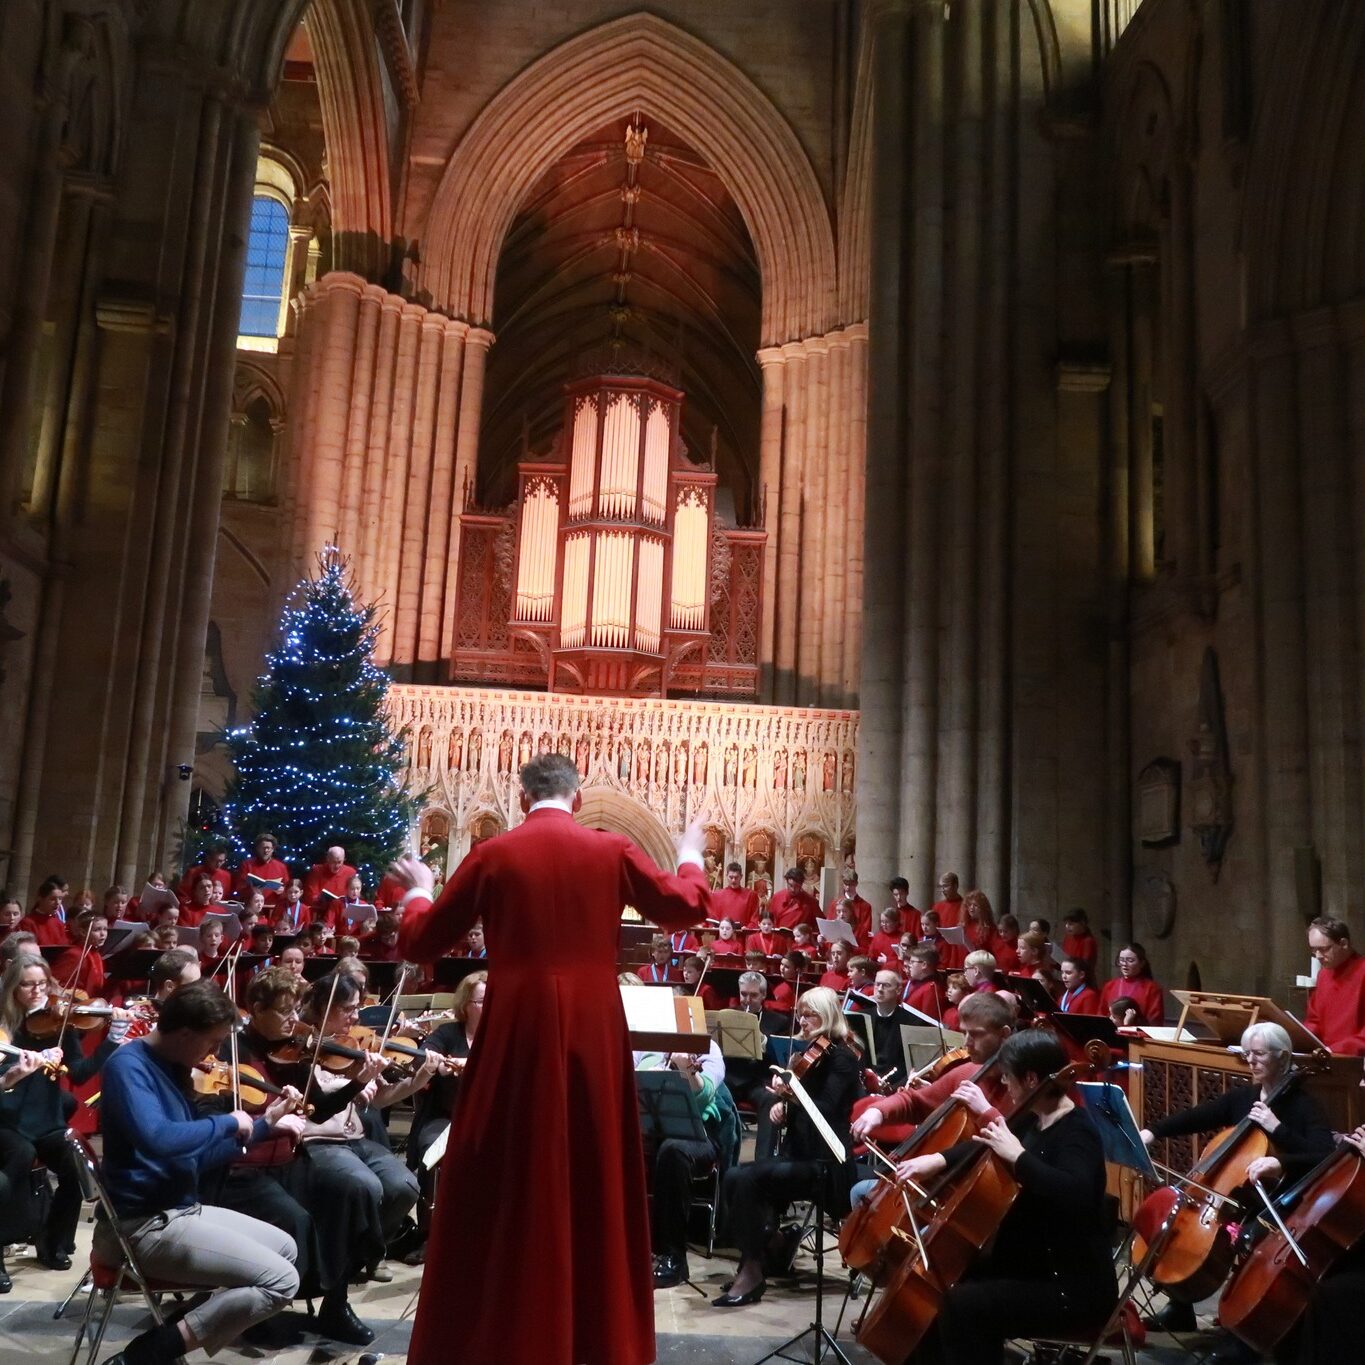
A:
(650, 251)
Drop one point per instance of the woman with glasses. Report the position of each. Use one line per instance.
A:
(1293, 1120)
(1135, 982)
(757, 1194)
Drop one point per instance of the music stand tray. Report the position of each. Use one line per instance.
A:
(1229, 1016)
(736, 1033)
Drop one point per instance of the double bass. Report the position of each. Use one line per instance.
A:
(1200, 1247)
(1324, 1213)
(965, 1207)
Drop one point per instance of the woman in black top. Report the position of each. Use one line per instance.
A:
(1295, 1122)
(758, 1193)
(453, 1040)
(1049, 1271)
(33, 1119)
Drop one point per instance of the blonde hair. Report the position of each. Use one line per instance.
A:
(464, 993)
(825, 1003)
(11, 1016)
(982, 960)
(627, 978)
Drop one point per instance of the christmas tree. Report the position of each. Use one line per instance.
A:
(318, 764)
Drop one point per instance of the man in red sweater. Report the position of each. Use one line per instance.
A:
(792, 905)
(324, 888)
(862, 909)
(1336, 1009)
(986, 1021)
(735, 901)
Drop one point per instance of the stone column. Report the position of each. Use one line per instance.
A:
(357, 427)
(851, 639)
(813, 560)
(770, 438)
(790, 529)
(837, 530)
(477, 342)
(435, 606)
(374, 498)
(886, 481)
(243, 143)
(1353, 365)
(920, 638)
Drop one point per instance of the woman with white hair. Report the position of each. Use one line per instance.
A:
(757, 1194)
(1294, 1121)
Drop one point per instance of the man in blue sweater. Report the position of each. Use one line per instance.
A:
(155, 1150)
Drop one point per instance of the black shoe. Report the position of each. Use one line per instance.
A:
(1175, 1317)
(671, 1271)
(52, 1257)
(274, 1333)
(339, 1322)
(741, 1300)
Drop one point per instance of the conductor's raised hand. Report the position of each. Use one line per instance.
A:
(691, 843)
(414, 874)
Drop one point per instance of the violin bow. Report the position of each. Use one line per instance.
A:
(233, 1054)
(70, 988)
(317, 1042)
(398, 985)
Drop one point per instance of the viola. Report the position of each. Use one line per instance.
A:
(964, 1209)
(1199, 1249)
(214, 1076)
(1325, 1214)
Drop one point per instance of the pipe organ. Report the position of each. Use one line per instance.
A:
(612, 573)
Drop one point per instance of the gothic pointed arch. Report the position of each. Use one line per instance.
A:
(638, 62)
(605, 809)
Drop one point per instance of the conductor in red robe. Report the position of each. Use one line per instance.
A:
(544, 1165)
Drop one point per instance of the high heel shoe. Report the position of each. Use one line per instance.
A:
(741, 1300)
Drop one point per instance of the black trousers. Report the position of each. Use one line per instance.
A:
(1329, 1331)
(20, 1215)
(979, 1316)
(756, 1196)
(675, 1164)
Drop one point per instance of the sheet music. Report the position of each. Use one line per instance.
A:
(437, 1150)
(836, 931)
(817, 1118)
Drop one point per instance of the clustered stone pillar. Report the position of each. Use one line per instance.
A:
(811, 458)
(387, 399)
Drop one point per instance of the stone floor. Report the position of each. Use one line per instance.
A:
(690, 1329)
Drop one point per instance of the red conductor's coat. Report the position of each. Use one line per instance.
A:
(539, 1253)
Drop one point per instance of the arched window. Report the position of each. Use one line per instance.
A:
(266, 251)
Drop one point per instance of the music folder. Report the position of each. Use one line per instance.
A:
(660, 1021)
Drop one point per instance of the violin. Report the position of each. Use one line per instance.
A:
(1199, 1250)
(50, 1069)
(1325, 1214)
(399, 1053)
(331, 1054)
(964, 1208)
(67, 1009)
(927, 1075)
(254, 1093)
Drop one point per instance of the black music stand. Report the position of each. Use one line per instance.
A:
(668, 1109)
(817, 1342)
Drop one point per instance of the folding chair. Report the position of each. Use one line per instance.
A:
(109, 1281)
(706, 1195)
(1128, 1335)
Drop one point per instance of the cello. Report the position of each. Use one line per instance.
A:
(1199, 1248)
(967, 1204)
(872, 1233)
(1324, 1213)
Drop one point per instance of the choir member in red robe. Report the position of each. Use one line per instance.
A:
(74, 969)
(955, 991)
(922, 991)
(260, 871)
(660, 967)
(1077, 940)
(783, 999)
(46, 921)
(214, 867)
(1336, 1008)
(1135, 982)
(695, 983)
(862, 909)
(947, 913)
(684, 941)
(11, 912)
(1079, 995)
(727, 942)
(836, 978)
(900, 901)
(792, 905)
(291, 914)
(199, 902)
(767, 938)
(546, 1138)
(884, 946)
(736, 901)
(1006, 945)
(978, 919)
(325, 885)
